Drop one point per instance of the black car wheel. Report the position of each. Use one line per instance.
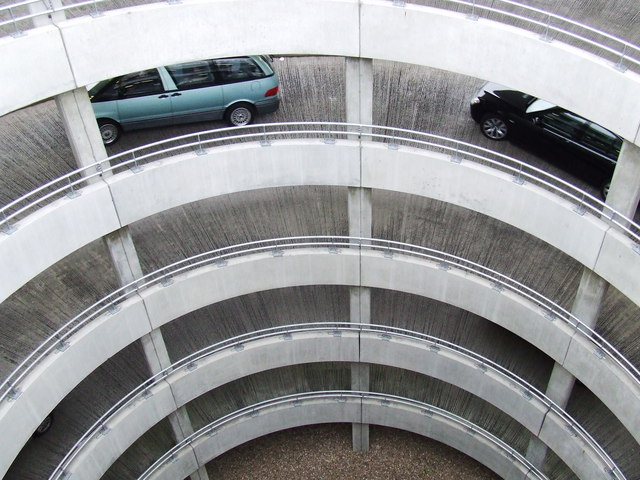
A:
(109, 131)
(239, 114)
(44, 427)
(493, 126)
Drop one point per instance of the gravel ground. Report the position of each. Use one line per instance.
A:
(324, 452)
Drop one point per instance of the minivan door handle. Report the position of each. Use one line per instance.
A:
(176, 94)
(163, 96)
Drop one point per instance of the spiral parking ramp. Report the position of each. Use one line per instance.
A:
(585, 349)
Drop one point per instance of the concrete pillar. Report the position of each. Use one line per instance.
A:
(86, 144)
(624, 193)
(127, 265)
(360, 303)
(359, 90)
(81, 128)
(623, 196)
(359, 109)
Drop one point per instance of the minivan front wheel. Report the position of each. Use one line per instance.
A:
(493, 126)
(239, 114)
(109, 131)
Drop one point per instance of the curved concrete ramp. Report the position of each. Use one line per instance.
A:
(255, 356)
(375, 29)
(158, 305)
(128, 197)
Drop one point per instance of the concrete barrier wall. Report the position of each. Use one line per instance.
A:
(59, 373)
(70, 224)
(67, 225)
(311, 412)
(303, 347)
(366, 28)
(230, 169)
(186, 385)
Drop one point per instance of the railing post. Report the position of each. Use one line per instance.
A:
(265, 142)
(94, 10)
(545, 37)
(473, 15)
(136, 167)
(7, 228)
(16, 31)
(620, 65)
(200, 151)
(73, 193)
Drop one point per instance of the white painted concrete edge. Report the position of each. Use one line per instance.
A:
(70, 224)
(367, 28)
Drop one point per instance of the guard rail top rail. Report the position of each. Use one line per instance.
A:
(329, 133)
(332, 245)
(425, 409)
(623, 54)
(384, 332)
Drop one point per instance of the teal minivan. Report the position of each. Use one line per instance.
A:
(236, 89)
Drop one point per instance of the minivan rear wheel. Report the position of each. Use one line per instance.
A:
(239, 114)
(493, 126)
(109, 131)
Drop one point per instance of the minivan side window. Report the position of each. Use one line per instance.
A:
(192, 75)
(146, 82)
(230, 70)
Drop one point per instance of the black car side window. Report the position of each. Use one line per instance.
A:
(146, 82)
(231, 70)
(563, 123)
(602, 141)
(192, 75)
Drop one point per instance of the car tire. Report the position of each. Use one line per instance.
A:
(239, 114)
(494, 127)
(44, 426)
(109, 131)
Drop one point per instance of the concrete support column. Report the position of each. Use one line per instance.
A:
(359, 90)
(359, 109)
(81, 128)
(624, 193)
(127, 265)
(360, 303)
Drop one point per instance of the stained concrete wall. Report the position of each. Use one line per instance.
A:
(366, 28)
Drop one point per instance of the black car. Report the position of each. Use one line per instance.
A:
(580, 145)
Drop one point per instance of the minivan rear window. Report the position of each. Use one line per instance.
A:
(230, 70)
(192, 74)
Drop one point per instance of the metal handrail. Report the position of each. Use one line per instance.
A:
(385, 332)
(196, 143)
(10, 390)
(624, 51)
(426, 409)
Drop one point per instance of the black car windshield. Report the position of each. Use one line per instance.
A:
(513, 97)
